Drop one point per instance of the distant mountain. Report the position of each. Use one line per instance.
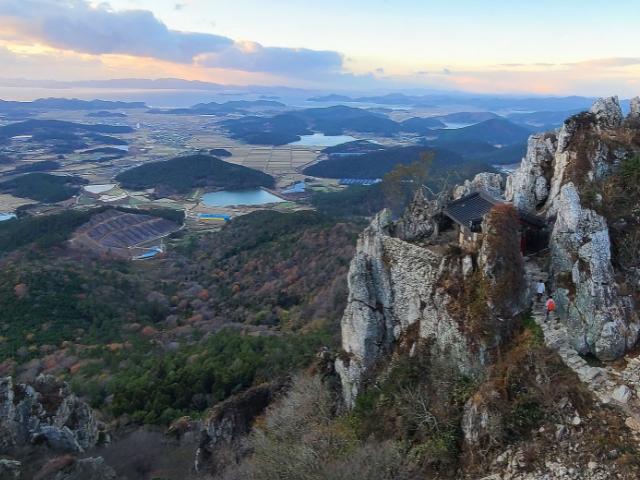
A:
(214, 108)
(67, 104)
(467, 117)
(497, 131)
(251, 104)
(338, 119)
(377, 164)
(484, 102)
(421, 125)
(106, 114)
(544, 120)
(277, 130)
(330, 98)
(182, 174)
(29, 127)
(288, 127)
(357, 147)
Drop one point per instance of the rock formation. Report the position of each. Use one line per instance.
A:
(45, 412)
(555, 179)
(401, 292)
(635, 109)
(228, 422)
(528, 187)
(492, 183)
(599, 319)
(608, 112)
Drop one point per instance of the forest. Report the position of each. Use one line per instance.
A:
(182, 174)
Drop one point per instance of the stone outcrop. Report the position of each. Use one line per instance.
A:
(608, 112)
(399, 292)
(230, 421)
(492, 183)
(599, 319)
(417, 222)
(635, 109)
(550, 182)
(528, 187)
(45, 412)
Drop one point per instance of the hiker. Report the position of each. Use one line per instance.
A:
(550, 308)
(540, 289)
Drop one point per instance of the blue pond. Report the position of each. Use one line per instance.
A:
(6, 216)
(321, 140)
(227, 198)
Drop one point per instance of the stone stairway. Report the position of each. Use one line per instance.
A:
(619, 387)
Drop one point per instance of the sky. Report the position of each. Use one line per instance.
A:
(586, 47)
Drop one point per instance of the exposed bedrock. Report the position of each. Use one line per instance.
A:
(559, 172)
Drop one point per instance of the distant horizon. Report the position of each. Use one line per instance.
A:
(141, 85)
(575, 47)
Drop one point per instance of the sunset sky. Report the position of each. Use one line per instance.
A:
(587, 47)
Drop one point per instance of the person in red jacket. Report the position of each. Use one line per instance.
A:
(550, 307)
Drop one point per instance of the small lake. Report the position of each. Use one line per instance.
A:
(456, 125)
(227, 198)
(322, 140)
(6, 216)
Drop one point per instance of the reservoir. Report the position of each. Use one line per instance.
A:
(321, 140)
(227, 198)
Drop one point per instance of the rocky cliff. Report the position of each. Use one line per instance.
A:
(403, 293)
(45, 412)
(564, 177)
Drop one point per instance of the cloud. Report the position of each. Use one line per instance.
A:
(179, 6)
(81, 27)
(76, 25)
(253, 57)
(446, 71)
(612, 62)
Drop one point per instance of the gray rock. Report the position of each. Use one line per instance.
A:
(492, 183)
(635, 108)
(608, 112)
(45, 412)
(59, 439)
(622, 394)
(10, 469)
(599, 320)
(528, 186)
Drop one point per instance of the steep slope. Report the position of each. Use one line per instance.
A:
(571, 177)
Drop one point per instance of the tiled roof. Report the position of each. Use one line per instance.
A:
(471, 208)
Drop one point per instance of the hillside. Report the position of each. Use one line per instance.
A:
(287, 127)
(31, 127)
(421, 125)
(43, 187)
(183, 174)
(449, 367)
(66, 104)
(497, 131)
